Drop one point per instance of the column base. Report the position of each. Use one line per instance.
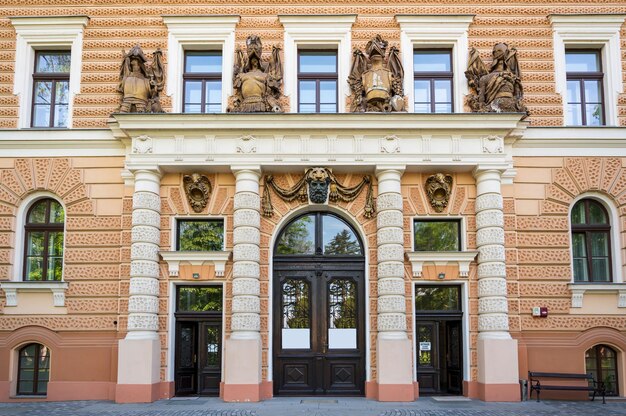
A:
(138, 371)
(392, 392)
(242, 371)
(395, 378)
(498, 375)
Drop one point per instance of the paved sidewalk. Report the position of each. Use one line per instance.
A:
(316, 407)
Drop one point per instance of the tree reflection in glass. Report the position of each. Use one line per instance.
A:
(298, 238)
(295, 304)
(436, 235)
(342, 304)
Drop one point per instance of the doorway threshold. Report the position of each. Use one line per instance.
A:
(451, 399)
(319, 401)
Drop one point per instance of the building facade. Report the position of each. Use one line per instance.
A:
(295, 198)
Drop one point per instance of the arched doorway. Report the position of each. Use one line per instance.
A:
(601, 361)
(319, 308)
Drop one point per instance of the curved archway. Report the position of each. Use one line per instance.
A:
(318, 307)
(601, 361)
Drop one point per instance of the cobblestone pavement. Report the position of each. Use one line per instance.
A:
(315, 407)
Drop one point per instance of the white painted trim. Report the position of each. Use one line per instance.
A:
(617, 268)
(40, 33)
(20, 221)
(349, 218)
(317, 32)
(196, 258)
(441, 258)
(601, 31)
(571, 141)
(436, 31)
(464, 323)
(199, 33)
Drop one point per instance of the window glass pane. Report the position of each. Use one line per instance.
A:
(43, 92)
(339, 238)
(55, 243)
(55, 268)
(436, 235)
(592, 91)
(213, 339)
(580, 270)
(596, 214)
(574, 115)
(298, 237)
(342, 305)
(41, 115)
(578, 213)
(203, 62)
(600, 270)
(60, 115)
(318, 62)
(443, 91)
(25, 387)
(425, 335)
(431, 61)
(42, 387)
(422, 90)
(307, 92)
(328, 92)
(599, 244)
(440, 298)
(582, 61)
(57, 215)
(61, 95)
(53, 62)
(193, 92)
(38, 213)
(327, 108)
(201, 235)
(295, 304)
(199, 299)
(213, 92)
(307, 108)
(34, 268)
(579, 247)
(443, 108)
(192, 108)
(35, 243)
(594, 114)
(422, 107)
(573, 91)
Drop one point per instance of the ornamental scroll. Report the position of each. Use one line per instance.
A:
(318, 184)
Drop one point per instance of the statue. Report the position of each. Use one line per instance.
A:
(256, 83)
(499, 89)
(140, 82)
(376, 85)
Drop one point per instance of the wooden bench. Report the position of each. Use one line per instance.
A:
(592, 385)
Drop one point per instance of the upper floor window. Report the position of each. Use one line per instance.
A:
(591, 242)
(202, 79)
(437, 235)
(317, 82)
(585, 103)
(43, 251)
(33, 370)
(51, 81)
(432, 81)
(200, 235)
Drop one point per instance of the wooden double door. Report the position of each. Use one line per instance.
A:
(319, 330)
(198, 357)
(439, 355)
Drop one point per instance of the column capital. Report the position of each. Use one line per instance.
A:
(491, 168)
(147, 180)
(382, 169)
(250, 169)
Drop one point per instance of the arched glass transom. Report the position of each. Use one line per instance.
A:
(591, 242)
(319, 234)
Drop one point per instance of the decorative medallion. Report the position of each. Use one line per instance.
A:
(198, 190)
(246, 144)
(493, 144)
(142, 144)
(390, 144)
(438, 190)
(322, 185)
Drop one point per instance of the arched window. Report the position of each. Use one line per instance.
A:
(33, 370)
(591, 242)
(43, 242)
(601, 361)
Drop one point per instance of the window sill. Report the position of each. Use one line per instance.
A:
(441, 258)
(579, 289)
(196, 258)
(58, 289)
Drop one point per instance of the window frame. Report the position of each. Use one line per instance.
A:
(176, 243)
(200, 76)
(53, 77)
(46, 228)
(581, 77)
(35, 370)
(317, 77)
(459, 221)
(433, 76)
(586, 229)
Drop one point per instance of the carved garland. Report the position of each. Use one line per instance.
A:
(321, 183)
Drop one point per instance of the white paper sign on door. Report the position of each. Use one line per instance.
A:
(424, 346)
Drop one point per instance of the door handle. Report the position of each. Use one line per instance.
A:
(195, 358)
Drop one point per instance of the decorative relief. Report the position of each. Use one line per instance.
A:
(322, 184)
(376, 83)
(392, 322)
(246, 144)
(498, 89)
(140, 82)
(438, 190)
(493, 144)
(391, 303)
(390, 144)
(198, 189)
(142, 144)
(391, 286)
(493, 322)
(242, 287)
(390, 269)
(256, 83)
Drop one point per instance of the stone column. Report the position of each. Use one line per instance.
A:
(139, 355)
(242, 365)
(497, 351)
(394, 352)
